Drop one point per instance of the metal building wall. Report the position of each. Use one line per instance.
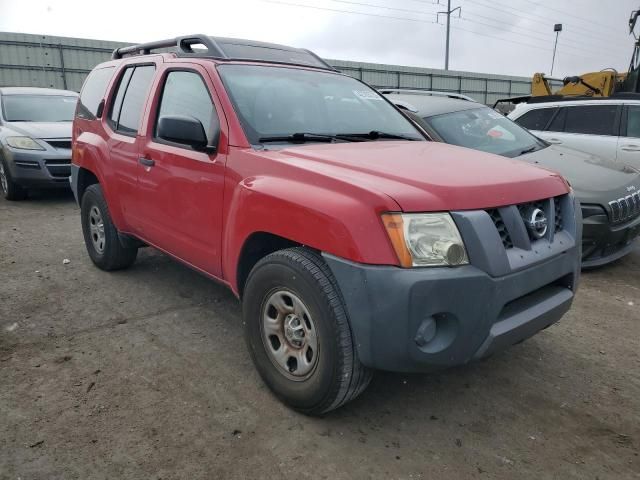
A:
(63, 62)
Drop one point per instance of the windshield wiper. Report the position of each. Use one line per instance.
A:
(307, 137)
(529, 150)
(375, 135)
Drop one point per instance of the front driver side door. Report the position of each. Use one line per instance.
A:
(179, 188)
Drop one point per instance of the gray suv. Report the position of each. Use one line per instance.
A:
(609, 192)
(35, 139)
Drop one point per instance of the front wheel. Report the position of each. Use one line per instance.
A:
(297, 331)
(101, 235)
(10, 189)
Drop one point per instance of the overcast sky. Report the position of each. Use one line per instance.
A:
(513, 37)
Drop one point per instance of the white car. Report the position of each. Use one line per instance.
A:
(606, 127)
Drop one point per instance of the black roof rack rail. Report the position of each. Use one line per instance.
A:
(220, 48)
(183, 44)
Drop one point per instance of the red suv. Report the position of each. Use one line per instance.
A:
(353, 242)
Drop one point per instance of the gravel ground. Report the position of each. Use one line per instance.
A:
(144, 374)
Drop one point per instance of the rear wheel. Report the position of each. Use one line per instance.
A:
(10, 189)
(297, 331)
(100, 235)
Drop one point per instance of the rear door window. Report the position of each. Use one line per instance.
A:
(93, 92)
(536, 119)
(557, 124)
(633, 121)
(131, 98)
(591, 119)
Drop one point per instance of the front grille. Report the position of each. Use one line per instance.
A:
(501, 227)
(626, 208)
(558, 214)
(61, 144)
(60, 168)
(518, 213)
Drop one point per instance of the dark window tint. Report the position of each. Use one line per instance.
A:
(591, 119)
(93, 92)
(557, 124)
(117, 103)
(633, 122)
(536, 119)
(126, 116)
(185, 93)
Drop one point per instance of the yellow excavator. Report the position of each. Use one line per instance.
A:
(595, 84)
(605, 83)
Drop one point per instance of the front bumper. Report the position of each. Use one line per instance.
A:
(421, 319)
(39, 168)
(603, 243)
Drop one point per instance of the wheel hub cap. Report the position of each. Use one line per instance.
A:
(96, 229)
(289, 335)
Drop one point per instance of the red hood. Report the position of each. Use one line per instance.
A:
(428, 176)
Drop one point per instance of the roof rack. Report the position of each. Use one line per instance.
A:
(184, 45)
(434, 93)
(221, 48)
(566, 98)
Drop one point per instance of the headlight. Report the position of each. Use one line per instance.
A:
(24, 143)
(425, 239)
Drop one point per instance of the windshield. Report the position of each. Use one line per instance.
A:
(484, 129)
(38, 108)
(280, 102)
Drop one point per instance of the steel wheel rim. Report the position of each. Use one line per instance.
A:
(289, 335)
(96, 229)
(3, 179)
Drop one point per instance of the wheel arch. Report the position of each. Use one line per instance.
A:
(255, 247)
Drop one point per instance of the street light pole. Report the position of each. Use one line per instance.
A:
(556, 28)
(448, 14)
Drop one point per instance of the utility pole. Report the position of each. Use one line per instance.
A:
(448, 14)
(556, 28)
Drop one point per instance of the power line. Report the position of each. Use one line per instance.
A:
(532, 17)
(545, 21)
(569, 14)
(384, 7)
(415, 20)
(327, 9)
(544, 39)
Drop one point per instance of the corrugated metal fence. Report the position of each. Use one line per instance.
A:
(61, 62)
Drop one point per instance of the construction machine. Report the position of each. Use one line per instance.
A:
(604, 83)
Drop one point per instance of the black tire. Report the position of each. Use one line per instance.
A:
(113, 255)
(10, 189)
(338, 375)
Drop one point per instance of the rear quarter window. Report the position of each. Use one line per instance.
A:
(536, 119)
(591, 119)
(93, 92)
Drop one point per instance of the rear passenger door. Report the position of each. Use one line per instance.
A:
(629, 140)
(180, 188)
(589, 128)
(123, 117)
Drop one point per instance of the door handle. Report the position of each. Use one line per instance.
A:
(147, 162)
(630, 148)
(554, 140)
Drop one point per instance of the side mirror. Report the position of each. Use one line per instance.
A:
(183, 129)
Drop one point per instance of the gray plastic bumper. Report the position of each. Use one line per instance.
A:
(40, 169)
(427, 318)
(604, 243)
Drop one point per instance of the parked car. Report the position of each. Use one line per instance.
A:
(35, 139)
(606, 127)
(608, 191)
(353, 242)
